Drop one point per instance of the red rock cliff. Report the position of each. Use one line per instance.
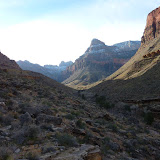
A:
(152, 29)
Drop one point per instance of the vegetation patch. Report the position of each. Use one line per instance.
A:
(101, 100)
(65, 139)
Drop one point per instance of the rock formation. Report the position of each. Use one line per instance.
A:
(152, 28)
(99, 61)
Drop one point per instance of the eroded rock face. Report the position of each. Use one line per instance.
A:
(152, 29)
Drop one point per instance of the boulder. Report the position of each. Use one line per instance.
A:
(25, 118)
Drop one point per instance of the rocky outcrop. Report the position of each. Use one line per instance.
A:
(152, 29)
(99, 61)
(6, 63)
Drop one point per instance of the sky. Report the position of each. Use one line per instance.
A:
(51, 31)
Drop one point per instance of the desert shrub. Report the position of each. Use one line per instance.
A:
(101, 100)
(75, 113)
(70, 116)
(65, 139)
(101, 121)
(5, 154)
(113, 127)
(8, 119)
(32, 156)
(87, 137)
(83, 96)
(105, 147)
(80, 124)
(26, 133)
(33, 132)
(148, 118)
(127, 108)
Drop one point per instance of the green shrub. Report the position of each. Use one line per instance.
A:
(101, 100)
(5, 154)
(69, 116)
(80, 124)
(65, 139)
(105, 147)
(113, 127)
(83, 96)
(148, 118)
(33, 132)
(127, 108)
(32, 156)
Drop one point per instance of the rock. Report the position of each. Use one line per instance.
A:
(94, 155)
(2, 104)
(78, 131)
(48, 149)
(17, 150)
(152, 29)
(25, 118)
(89, 122)
(114, 146)
(134, 107)
(33, 111)
(107, 117)
(43, 118)
(84, 152)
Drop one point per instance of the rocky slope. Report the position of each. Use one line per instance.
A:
(6, 63)
(51, 71)
(43, 119)
(98, 62)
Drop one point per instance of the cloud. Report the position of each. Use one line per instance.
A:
(65, 33)
(44, 42)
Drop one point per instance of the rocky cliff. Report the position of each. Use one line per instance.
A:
(152, 28)
(148, 54)
(99, 61)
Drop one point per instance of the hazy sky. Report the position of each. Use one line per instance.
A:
(49, 31)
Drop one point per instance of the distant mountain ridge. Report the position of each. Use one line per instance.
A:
(99, 61)
(52, 71)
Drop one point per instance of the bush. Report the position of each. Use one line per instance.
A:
(5, 154)
(33, 132)
(69, 116)
(80, 124)
(83, 96)
(32, 156)
(103, 103)
(65, 139)
(25, 134)
(148, 118)
(127, 108)
(113, 127)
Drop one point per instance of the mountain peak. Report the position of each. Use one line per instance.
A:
(96, 42)
(152, 29)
